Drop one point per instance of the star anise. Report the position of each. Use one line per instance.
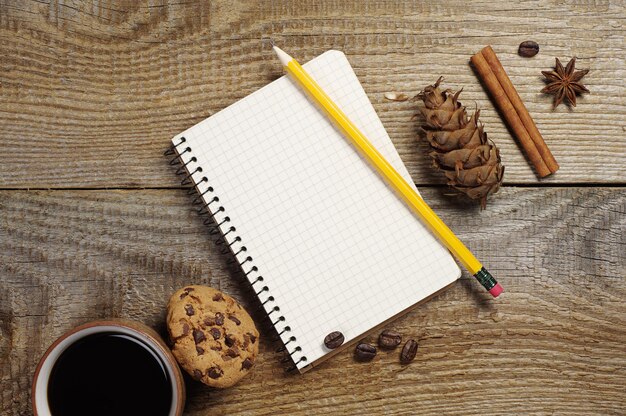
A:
(564, 82)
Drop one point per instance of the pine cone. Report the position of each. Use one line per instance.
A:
(470, 161)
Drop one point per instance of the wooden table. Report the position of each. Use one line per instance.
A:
(94, 224)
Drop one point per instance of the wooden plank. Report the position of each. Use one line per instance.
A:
(91, 92)
(554, 343)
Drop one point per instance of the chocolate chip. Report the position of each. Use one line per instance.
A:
(365, 352)
(247, 364)
(408, 351)
(229, 340)
(189, 310)
(185, 329)
(219, 318)
(528, 49)
(217, 297)
(389, 339)
(209, 321)
(232, 353)
(186, 292)
(333, 340)
(215, 333)
(217, 347)
(197, 374)
(199, 350)
(247, 338)
(215, 372)
(234, 319)
(198, 336)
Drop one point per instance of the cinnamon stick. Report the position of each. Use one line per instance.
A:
(520, 108)
(509, 114)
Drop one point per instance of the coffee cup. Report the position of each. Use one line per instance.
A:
(108, 367)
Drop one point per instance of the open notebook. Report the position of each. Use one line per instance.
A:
(323, 240)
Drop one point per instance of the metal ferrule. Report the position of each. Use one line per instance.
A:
(485, 278)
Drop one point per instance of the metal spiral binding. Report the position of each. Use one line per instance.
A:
(218, 223)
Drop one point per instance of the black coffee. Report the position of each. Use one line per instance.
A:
(109, 374)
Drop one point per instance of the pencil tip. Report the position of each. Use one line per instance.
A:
(282, 55)
(268, 40)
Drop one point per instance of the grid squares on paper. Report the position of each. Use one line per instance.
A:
(337, 248)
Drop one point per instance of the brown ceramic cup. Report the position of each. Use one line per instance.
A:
(139, 331)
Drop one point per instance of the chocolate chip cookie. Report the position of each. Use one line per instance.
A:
(213, 337)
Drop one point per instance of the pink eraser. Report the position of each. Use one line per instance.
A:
(496, 290)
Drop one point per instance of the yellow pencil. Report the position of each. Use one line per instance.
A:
(412, 198)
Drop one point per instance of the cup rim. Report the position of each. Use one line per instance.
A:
(133, 328)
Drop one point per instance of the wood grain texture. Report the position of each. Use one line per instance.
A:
(90, 92)
(554, 343)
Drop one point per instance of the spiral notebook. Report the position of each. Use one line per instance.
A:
(324, 242)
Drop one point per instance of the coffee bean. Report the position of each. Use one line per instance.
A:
(408, 351)
(365, 352)
(215, 372)
(528, 49)
(198, 336)
(246, 364)
(333, 340)
(389, 339)
(219, 318)
(215, 333)
(234, 319)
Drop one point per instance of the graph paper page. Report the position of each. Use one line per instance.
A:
(337, 249)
